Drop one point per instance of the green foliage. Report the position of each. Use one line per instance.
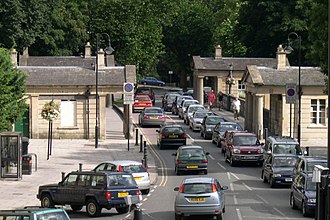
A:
(12, 90)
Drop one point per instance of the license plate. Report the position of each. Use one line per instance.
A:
(192, 167)
(197, 199)
(154, 117)
(250, 157)
(138, 178)
(173, 136)
(122, 194)
(288, 179)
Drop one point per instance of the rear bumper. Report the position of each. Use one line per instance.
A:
(185, 167)
(285, 181)
(198, 210)
(176, 142)
(153, 122)
(143, 184)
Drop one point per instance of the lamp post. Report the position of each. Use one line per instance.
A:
(170, 72)
(108, 50)
(289, 49)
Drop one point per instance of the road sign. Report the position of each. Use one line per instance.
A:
(291, 93)
(128, 88)
(128, 98)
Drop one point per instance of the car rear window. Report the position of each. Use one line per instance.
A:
(286, 149)
(200, 115)
(134, 169)
(121, 181)
(213, 120)
(195, 108)
(245, 140)
(197, 188)
(225, 127)
(311, 164)
(153, 110)
(52, 216)
(192, 152)
(143, 91)
(311, 186)
(142, 98)
(173, 130)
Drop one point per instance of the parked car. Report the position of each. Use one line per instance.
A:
(184, 105)
(208, 124)
(220, 129)
(189, 92)
(226, 138)
(171, 135)
(190, 158)
(151, 81)
(303, 194)
(177, 102)
(152, 116)
(95, 190)
(34, 213)
(243, 147)
(190, 110)
(195, 120)
(146, 91)
(305, 164)
(281, 145)
(137, 169)
(200, 196)
(278, 169)
(140, 102)
(168, 99)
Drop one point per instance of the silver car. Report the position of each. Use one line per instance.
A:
(195, 120)
(190, 110)
(200, 196)
(220, 129)
(185, 104)
(152, 116)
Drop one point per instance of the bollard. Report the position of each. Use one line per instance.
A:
(145, 154)
(136, 137)
(80, 167)
(141, 143)
(307, 151)
(63, 175)
(137, 214)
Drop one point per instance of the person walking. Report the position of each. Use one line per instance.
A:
(211, 98)
(236, 107)
(220, 98)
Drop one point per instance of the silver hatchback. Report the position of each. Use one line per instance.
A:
(200, 196)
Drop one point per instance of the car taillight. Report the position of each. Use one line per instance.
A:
(120, 168)
(214, 188)
(146, 117)
(162, 117)
(184, 136)
(108, 196)
(205, 161)
(181, 188)
(179, 161)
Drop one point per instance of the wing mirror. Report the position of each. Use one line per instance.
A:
(207, 153)
(224, 187)
(174, 154)
(176, 189)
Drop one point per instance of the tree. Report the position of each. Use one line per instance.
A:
(12, 90)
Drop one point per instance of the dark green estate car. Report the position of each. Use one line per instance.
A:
(34, 213)
(95, 190)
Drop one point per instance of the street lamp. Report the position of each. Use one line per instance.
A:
(108, 50)
(288, 49)
(170, 72)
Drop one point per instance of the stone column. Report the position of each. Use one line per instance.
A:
(127, 113)
(102, 112)
(34, 116)
(199, 89)
(100, 61)
(260, 114)
(247, 111)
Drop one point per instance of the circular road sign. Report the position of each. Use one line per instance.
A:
(291, 92)
(128, 87)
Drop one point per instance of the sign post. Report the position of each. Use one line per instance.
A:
(291, 99)
(128, 100)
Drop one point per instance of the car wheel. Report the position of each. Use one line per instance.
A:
(76, 207)
(122, 210)
(292, 202)
(144, 83)
(160, 84)
(272, 182)
(92, 208)
(177, 217)
(47, 201)
(231, 161)
(304, 210)
(145, 191)
(224, 209)
(177, 172)
(219, 217)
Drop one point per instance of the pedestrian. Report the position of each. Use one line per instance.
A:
(220, 98)
(236, 107)
(211, 99)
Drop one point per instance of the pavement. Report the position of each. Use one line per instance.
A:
(66, 156)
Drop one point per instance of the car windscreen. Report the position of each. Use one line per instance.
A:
(245, 140)
(213, 120)
(153, 110)
(52, 216)
(287, 149)
(173, 130)
(284, 161)
(134, 169)
(195, 108)
(311, 164)
(117, 181)
(187, 103)
(197, 188)
(225, 127)
(192, 153)
(200, 114)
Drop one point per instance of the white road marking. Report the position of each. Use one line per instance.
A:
(235, 200)
(152, 190)
(223, 167)
(228, 174)
(239, 215)
(262, 199)
(231, 186)
(234, 175)
(145, 199)
(148, 195)
(246, 186)
(281, 213)
(211, 157)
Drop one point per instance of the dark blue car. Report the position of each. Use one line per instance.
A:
(303, 194)
(151, 81)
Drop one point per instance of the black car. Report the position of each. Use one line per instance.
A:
(278, 170)
(303, 194)
(95, 190)
(171, 135)
(208, 124)
(178, 100)
(220, 129)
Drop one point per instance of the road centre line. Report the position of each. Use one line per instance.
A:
(281, 213)
(262, 199)
(231, 187)
(246, 186)
(239, 215)
(235, 200)
(234, 175)
(228, 174)
(211, 157)
(223, 167)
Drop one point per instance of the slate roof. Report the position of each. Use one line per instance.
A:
(239, 63)
(309, 76)
(60, 61)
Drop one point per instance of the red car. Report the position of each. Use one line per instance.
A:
(243, 147)
(140, 102)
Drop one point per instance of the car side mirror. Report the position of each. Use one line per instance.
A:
(224, 187)
(174, 154)
(176, 189)
(207, 153)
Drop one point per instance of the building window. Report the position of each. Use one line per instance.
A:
(318, 111)
(68, 113)
(241, 86)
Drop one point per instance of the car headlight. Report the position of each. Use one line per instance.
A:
(208, 129)
(277, 175)
(261, 151)
(311, 200)
(236, 151)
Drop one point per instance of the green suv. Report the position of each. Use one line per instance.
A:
(95, 190)
(34, 214)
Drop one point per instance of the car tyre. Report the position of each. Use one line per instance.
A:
(76, 207)
(177, 217)
(292, 202)
(47, 201)
(92, 208)
(122, 210)
(219, 217)
(145, 191)
(232, 162)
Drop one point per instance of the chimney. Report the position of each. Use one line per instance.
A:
(100, 61)
(13, 56)
(110, 60)
(281, 58)
(87, 50)
(23, 59)
(218, 52)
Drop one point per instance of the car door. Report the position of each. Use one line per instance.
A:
(268, 167)
(64, 193)
(220, 194)
(300, 190)
(81, 189)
